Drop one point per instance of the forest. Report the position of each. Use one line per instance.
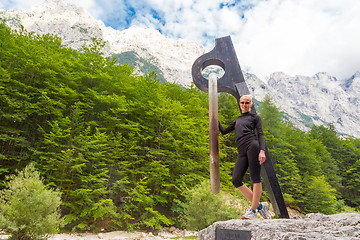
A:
(125, 150)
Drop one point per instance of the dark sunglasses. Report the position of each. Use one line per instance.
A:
(244, 102)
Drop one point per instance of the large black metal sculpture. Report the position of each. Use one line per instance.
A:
(233, 82)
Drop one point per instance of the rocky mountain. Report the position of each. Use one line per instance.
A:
(171, 58)
(319, 99)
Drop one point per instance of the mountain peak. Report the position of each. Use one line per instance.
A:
(352, 83)
(324, 75)
(356, 75)
(278, 75)
(57, 10)
(51, 5)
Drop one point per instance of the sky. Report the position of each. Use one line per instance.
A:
(296, 37)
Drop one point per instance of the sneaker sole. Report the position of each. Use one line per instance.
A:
(266, 209)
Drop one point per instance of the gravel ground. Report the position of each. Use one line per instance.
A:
(166, 233)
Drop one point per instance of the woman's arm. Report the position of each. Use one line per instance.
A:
(230, 128)
(259, 128)
(260, 133)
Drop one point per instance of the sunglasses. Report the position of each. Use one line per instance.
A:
(244, 102)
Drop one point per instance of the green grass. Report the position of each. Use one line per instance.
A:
(188, 237)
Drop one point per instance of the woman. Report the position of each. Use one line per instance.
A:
(251, 149)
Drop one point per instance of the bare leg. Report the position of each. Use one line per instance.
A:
(248, 194)
(253, 197)
(256, 195)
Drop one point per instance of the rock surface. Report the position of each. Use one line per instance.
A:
(344, 226)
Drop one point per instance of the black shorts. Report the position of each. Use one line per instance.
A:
(248, 157)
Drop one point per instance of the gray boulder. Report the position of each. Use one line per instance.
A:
(344, 226)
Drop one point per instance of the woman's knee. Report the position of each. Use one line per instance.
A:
(257, 180)
(237, 183)
(237, 180)
(255, 177)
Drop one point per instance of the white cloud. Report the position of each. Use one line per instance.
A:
(302, 38)
(295, 37)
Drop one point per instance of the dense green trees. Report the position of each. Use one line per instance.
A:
(346, 158)
(121, 148)
(312, 167)
(124, 149)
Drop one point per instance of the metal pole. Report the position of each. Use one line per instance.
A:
(214, 135)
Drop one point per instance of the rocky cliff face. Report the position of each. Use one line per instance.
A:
(319, 99)
(73, 24)
(315, 226)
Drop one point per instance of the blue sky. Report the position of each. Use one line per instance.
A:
(297, 37)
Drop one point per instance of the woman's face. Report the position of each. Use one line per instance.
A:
(245, 104)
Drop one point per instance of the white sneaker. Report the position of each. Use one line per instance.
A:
(264, 212)
(249, 214)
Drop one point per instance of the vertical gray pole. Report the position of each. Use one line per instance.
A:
(214, 135)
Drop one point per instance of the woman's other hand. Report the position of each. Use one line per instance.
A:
(262, 157)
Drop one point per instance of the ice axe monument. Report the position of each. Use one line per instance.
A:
(232, 82)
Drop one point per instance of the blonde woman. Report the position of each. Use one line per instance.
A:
(251, 154)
